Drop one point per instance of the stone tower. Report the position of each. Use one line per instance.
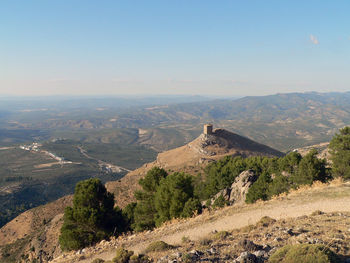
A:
(208, 129)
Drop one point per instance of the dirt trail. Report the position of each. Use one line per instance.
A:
(330, 199)
(229, 218)
(101, 163)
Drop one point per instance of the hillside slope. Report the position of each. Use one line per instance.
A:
(191, 158)
(326, 198)
(34, 232)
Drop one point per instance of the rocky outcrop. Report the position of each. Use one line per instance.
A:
(241, 185)
(236, 194)
(223, 142)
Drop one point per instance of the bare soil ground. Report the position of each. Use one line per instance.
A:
(46, 165)
(6, 148)
(293, 208)
(36, 228)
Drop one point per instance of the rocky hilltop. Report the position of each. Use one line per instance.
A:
(192, 158)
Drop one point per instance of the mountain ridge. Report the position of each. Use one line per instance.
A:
(191, 158)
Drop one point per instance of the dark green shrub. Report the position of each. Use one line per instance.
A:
(340, 153)
(280, 184)
(144, 212)
(158, 246)
(266, 221)
(310, 169)
(152, 179)
(129, 215)
(173, 193)
(221, 235)
(92, 217)
(306, 253)
(208, 203)
(122, 255)
(139, 259)
(219, 175)
(205, 241)
(163, 197)
(290, 162)
(192, 206)
(220, 202)
(98, 260)
(259, 189)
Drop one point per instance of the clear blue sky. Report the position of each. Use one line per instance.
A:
(173, 47)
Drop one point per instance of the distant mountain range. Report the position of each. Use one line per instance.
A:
(282, 121)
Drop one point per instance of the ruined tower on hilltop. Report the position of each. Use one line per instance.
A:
(208, 129)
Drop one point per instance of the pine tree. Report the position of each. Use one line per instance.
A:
(92, 217)
(340, 153)
(145, 211)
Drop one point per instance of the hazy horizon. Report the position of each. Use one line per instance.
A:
(148, 96)
(209, 48)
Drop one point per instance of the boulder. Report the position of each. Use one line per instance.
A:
(241, 185)
(226, 193)
(236, 194)
(247, 257)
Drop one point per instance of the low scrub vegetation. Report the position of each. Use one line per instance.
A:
(122, 255)
(306, 253)
(265, 221)
(221, 235)
(158, 246)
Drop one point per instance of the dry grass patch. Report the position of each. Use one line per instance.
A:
(221, 235)
(317, 213)
(185, 239)
(265, 221)
(205, 241)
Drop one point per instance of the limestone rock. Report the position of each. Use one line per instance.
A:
(236, 194)
(241, 185)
